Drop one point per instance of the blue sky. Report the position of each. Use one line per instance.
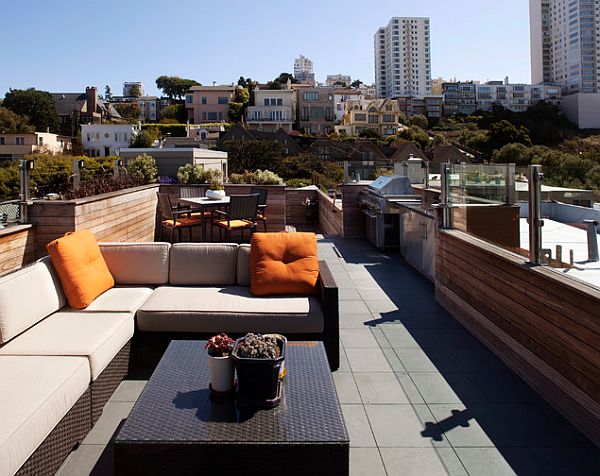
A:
(64, 45)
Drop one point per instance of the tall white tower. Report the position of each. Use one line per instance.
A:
(303, 70)
(403, 58)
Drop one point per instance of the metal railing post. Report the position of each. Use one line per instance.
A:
(445, 198)
(535, 213)
(77, 165)
(592, 240)
(25, 168)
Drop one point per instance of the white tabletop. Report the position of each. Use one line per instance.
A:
(203, 201)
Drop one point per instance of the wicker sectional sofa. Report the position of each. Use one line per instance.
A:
(60, 366)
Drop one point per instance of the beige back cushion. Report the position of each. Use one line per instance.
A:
(28, 296)
(137, 263)
(203, 264)
(243, 265)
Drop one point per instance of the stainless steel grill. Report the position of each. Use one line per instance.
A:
(382, 216)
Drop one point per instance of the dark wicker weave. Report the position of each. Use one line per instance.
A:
(108, 381)
(175, 428)
(69, 432)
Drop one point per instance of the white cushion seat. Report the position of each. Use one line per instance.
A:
(37, 392)
(98, 336)
(120, 299)
(227, 309)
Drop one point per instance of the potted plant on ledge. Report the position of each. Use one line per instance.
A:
(259, 363)
(219, 349)
(216, 190)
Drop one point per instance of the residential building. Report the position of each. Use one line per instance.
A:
(436, 86)
(75, 109)
(381, 115)
(332, 79)
(128, 85)
(515, 97)
(15, 146)
(104, 140)
(303, 70)
(368, 92)
(459, 98)
(316, 110)
(340, 97)
(209, 103)
(150, 106)
(169, 159)
(402, 58)
(239, 132)
(434, 106)
(565, 50)
(273, 109)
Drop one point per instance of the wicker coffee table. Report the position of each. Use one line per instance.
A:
(175, 427)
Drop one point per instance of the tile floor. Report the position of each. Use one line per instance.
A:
(420, 395)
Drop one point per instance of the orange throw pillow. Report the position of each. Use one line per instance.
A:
(283, 263)
(80, 267)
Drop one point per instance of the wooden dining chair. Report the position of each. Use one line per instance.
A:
(261, 212)
(173, 219)
(240, 215)
(192, 192)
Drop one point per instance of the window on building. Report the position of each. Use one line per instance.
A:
(212, 116)
(389, 118)
(373, 119)
(189, 99)
(279, 101)
(311, 96)
(305, 114)
(273, 101)
(204, 115)
(41, 141)
(223, 100)
(203, 101)
(317, 112)
(125, 136)
(266, 102)
(20, 141)
(360, 117)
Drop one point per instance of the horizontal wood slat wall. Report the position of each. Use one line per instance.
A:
(295, 209)
(354, 218)
(545, 326)
(17, 248)
(330, 216)
(128, 215)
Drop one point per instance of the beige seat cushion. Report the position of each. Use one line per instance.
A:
(137, 263)
(121, 299)
(28, 296)
(99, 336)
(203, 264)
(227, 309)
(37, 392)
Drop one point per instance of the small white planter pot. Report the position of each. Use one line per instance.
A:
(215, 194)
(221, 373)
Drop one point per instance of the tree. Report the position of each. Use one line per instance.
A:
(339, 84)
(174, 112)
(252, 155)
(107, 93)
(175, 87)
(145, 138)
(135, 91)
(417, 135)
(370, 134)
(130, 111)
(11, 123)
(38, 106)
(237, 107)
(420, 121)
(356, 83)
(504, 132)
(280, 81)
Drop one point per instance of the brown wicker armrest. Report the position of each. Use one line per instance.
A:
(328, 293)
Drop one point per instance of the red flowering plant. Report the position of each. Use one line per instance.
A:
(220, 345)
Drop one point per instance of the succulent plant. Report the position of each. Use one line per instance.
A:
(219, 345)
(258, 346)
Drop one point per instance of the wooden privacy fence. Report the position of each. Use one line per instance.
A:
(544, 325)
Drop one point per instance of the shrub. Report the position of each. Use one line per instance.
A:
(191, 174)
(298, 182)
(143, 169)
(266, 177)
(98, 185)
(145, 138)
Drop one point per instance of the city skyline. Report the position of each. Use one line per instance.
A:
(139, 41)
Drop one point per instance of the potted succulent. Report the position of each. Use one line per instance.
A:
(219, 349)
(259, 363)
(216, 190)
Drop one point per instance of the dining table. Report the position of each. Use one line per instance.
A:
(203, 204)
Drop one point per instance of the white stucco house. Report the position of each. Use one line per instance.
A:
(103, 140)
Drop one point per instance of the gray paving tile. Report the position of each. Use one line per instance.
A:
(346, 387)
(108, 422)
(393, 359)
(421, 461)
(419, 360)
(380, 388)
(128, 391)
(356, 321)
(344, 364)
(403, 426)
(475, 359)
(348, 294)
(503, 386)
(381, 306)
(366, 462)
(358, 338)
(410, 390)
(449, 387)
(378, 293)
(353, 307)
(484, 461)
(81, 461)
(358, 426)
(401, 337)
(367, 360)
(380, 337)
(460, 425)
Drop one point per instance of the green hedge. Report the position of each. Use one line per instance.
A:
(179, 130)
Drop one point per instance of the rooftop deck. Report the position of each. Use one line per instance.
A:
(419, 393)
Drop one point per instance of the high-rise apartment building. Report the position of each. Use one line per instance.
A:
(565, 50)
(303, 70)
(402, 58)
